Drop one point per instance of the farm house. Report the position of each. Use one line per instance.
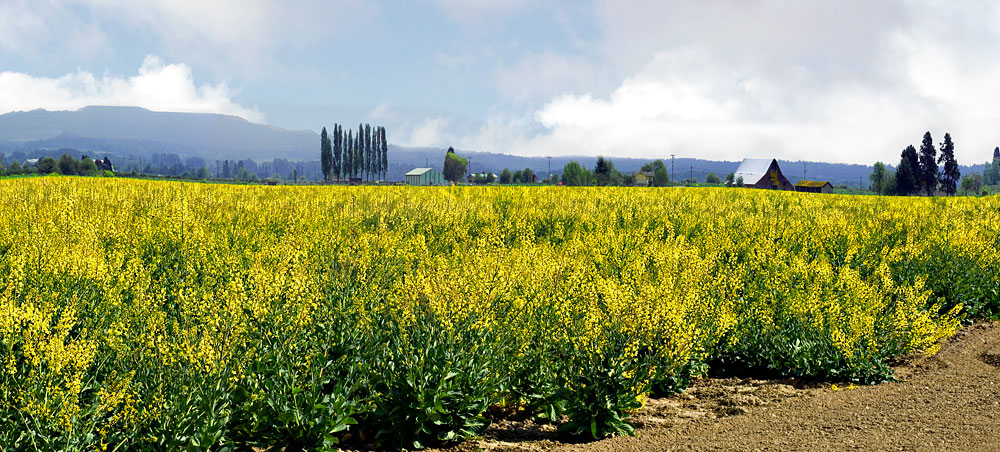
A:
(642, 178)
(424, 176)
(812, 186)
(763, 173)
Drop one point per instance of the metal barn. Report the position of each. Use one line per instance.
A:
(763, 173)
(424, 176)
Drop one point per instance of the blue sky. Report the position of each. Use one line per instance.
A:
(842, 81)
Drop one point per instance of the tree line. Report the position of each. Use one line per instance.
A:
(922, 171)
(365, 154)
(67, 165)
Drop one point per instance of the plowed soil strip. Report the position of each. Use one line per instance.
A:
(950, 401)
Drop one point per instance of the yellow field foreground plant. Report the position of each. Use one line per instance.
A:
(157, 315)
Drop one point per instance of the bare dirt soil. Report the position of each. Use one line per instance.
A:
(950, 401)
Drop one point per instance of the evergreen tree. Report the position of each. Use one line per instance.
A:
(325, 154)
(359, 151)
(338, 143)
(950, 174)
(385, 155)
(369, 160)
(604, 170)
(908, 172)
(349, 155)
(225, 170)
(996, 153)
(506, 176)
(928, 173)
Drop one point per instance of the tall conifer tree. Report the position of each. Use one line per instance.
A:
(325, 154)
(950, 174)
(385, 155)
(928, 174)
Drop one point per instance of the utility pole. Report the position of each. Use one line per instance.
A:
(692, 175)
(672, 168)
(427, 162)
(550, 168)
(803, 170)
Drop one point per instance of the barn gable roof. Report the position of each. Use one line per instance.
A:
(752, 170)
(812, 183)
(418, 171)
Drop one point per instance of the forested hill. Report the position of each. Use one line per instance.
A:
(133, 130)
(132, 135)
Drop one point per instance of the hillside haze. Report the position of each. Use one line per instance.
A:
(140, 131)
(200, 139)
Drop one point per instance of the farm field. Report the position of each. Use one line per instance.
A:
(160, 315)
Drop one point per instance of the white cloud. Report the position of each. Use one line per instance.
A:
(429, 132)
(471, 12)
(248, 35)
(157, 86)
(733, 79)
(548, 74)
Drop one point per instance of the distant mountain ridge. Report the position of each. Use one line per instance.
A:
(138, 136)
(134, 129)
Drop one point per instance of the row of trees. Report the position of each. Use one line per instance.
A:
(525, 176)
(920, 172)
(66, 165)
(363, 155)
(991, 174)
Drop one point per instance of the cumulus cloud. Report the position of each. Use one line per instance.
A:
(250, 35)
(811, 80)
(157, 86)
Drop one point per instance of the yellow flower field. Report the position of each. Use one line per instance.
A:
(157, 315)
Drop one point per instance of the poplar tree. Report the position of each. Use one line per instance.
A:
(349, 155)
(359, 151)
(325, 155)
(335, 164)
(368, 151)
(385, 155)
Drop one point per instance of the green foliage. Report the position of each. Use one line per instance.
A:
(325, 154)
(660, 177)
(68, 166)
(908, 172)
(711, 178)
(878, 178)
(575, 174)
(730, 179)
(950, 174)
(454, 166)
(972, 183)
(506, 177)
(87, 167)
(46, 165)
(651, 167)
(606, 174)
(599, 389)
(430, 383)
(927, 178)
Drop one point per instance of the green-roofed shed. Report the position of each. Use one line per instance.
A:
(812, 186)
(424, 176)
